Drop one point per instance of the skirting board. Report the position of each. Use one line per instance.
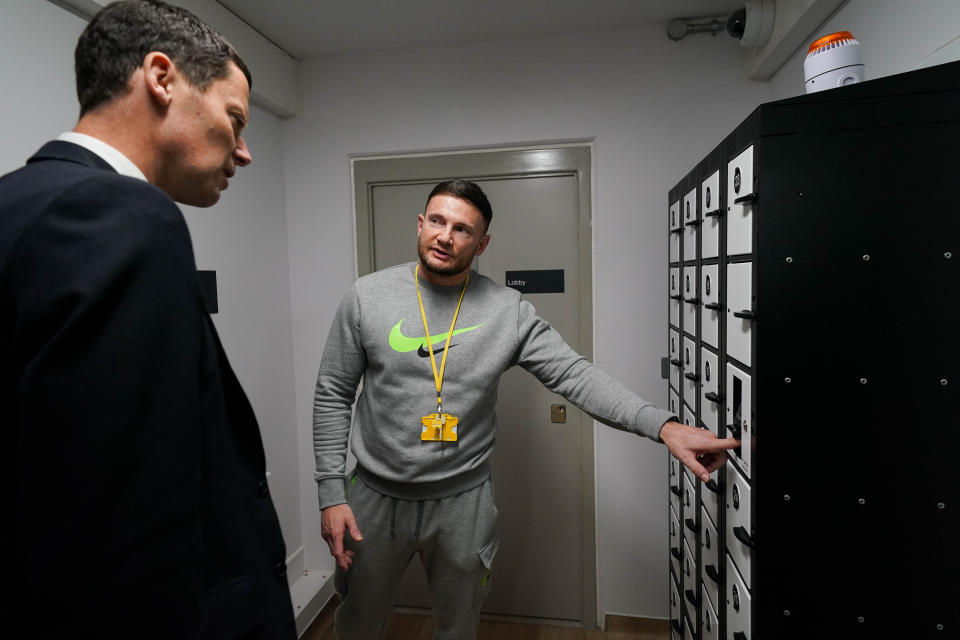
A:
(310, 593)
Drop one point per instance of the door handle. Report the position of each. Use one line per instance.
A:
(746, 314)
(749, 198)
(711, 572)
(741, 534)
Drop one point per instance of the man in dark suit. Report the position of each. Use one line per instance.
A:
(135, 467)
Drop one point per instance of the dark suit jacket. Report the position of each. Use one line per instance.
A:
(136, 480)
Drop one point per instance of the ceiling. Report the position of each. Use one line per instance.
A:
(309, 28)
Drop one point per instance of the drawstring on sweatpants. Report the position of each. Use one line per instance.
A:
(393, 519)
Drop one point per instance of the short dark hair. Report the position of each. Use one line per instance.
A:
(465, 190)
(118, 38)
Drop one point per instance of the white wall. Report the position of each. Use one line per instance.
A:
(895, 35)
(243, 237)
(653, 108)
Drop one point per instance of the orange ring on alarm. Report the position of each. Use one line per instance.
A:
(833, 37)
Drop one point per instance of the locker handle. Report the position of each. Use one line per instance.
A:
(691, 524)
(713, 306)
(692, 223)
(675, 491)
(739, 635)
(676, 626)
(675, 362)
(712, 485)
(734, 430)
(691, 596)
(716, 213)
(678, 230)
(713, 397)
(741, 534)
(691, 377)
(675, 552)
(711, 572)
(676, 297)
(692, 300)
(746, 314)
(746, 199)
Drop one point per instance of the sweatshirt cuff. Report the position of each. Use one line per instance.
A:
(330, 492)
(650, 420)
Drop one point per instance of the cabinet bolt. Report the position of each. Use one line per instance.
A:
(789, 260)
(786, 612)
(947, 255)
(941, 506)
(943, 382)
(861, 501)
(863, 381)
(787, 380)
(786, 497)
(861, 619)
(866, 257)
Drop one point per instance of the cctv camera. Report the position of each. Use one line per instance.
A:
(752, 23)
(736, 23)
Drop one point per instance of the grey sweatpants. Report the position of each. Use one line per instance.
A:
(456, 539)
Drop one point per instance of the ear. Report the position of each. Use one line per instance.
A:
(419, 224)
(158, 75)
(484, 241)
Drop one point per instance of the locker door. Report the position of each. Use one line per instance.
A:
(675, 363)
(674, 403)
(709, 556)
(676, 611)
(676, 223)
(674, 246)
(739, 422)
(676, 297)
(690, 226)
(710, 624)
(739, 527)
(691, 301)
(740, 202)
(710, 207)
(710, 400)
(710, 304)
(675, 539)
(738, 605)
(690, 379)
(740, 315)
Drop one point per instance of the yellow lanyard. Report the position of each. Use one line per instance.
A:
(438, 378)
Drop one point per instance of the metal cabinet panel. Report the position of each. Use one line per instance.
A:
(676, 298)
(689, 565)
(674, 403)
(710, 400)
(710, 212)
(740, 202)
(738, 605)
(739, 421)
(709, 555)
(740, 315)
(674, 247)
(739, 524)
(710, 308)
(691, 233)
(688, 631)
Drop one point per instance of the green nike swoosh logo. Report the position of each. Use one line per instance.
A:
(401, 343)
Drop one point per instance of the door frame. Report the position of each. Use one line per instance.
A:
(573, 158)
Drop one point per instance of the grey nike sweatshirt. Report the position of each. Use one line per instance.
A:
(377, 336)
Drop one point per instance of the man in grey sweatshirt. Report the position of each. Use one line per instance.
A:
(423, 435)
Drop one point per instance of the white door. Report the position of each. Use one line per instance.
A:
(545, 567)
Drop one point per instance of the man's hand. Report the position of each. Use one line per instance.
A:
(334, 521)
(699, 449)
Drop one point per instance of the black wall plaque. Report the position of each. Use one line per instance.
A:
(536, 281)
(208, 286)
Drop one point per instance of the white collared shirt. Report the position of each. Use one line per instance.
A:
(121, 163)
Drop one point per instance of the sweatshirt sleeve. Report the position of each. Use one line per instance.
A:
(341, 368)
(543, 352)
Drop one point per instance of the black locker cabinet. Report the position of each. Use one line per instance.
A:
(814, 299)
